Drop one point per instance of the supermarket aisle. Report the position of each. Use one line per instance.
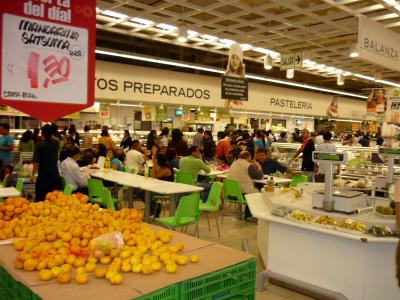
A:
(232, 234)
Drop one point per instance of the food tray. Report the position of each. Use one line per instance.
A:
(345, 230)
(390, 217)
(289, 217)
(323, 225)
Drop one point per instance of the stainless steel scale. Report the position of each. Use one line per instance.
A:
(337, 199)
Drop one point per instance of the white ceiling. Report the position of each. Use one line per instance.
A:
(323, 29)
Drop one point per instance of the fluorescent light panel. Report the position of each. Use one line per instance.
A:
(219, 71)
(142, 21)
(114, 14)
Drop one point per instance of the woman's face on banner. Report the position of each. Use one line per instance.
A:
(235, 62)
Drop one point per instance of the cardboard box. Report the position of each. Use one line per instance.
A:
(212, 257)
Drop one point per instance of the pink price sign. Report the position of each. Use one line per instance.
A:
(48, 56)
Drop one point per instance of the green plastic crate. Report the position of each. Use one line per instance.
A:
(236, 282)
(168, 293)
(7, 285)
(10, 289)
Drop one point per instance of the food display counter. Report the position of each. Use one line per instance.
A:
(339, 263)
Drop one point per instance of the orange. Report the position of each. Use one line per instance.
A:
(99, 272)
(45, 275)
(56, 271)
(181, 260)
(64, 277)
(147, 269)
(66, 268)
(81, 278)
(90, 267)
(126, 267)
(171, 268)
(105, 260)
(194, 258)
(116, 278)
(137, 268)
(30, 264)
(156, 266)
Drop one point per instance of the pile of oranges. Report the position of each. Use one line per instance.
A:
(54, 238)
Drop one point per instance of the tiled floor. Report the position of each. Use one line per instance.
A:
(232, 235)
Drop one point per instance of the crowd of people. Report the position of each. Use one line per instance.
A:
(243, 154)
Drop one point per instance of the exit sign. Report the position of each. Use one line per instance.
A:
(292, 60)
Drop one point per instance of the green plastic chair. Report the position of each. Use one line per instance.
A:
(20, 185)
(183, 177)
(297, 179)
(213, 203)
(187, 213)
(233, 194)
(4, 182)
(68, 189)
(108, 199)
(96, 191)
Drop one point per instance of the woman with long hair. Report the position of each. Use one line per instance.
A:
(26, 143)
(178, 143)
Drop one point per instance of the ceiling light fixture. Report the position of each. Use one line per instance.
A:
(364, 77)
(209, 37)
(289, 73)
(340, 79)
(227, 42)
(142, 22)
(397, 7)
(268, 62)
(166, 27)
(267, 51)
(220, 71)
(114, 14)
(182, 33)
(354, 52)
(245, 47)
(388, 82)
(390, 2)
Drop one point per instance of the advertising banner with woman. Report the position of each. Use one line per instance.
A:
(234, 86)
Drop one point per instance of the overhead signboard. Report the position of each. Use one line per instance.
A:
(234, 88)
(292, 60)
(378, 44)
(48, 56)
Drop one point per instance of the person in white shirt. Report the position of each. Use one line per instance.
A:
(198, 139)
(87, 141)
(69, 169)
(135, 158)
(326, 146)
(164, 137)
(319, 139)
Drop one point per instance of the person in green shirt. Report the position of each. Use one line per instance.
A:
(193, 163)
(26, 143)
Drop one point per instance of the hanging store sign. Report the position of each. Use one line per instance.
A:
(378, 44)
(393, 106)
(135, 83)
(161, 114)
(48, 57)
(293, 60)
(105, 111)
(234, 88)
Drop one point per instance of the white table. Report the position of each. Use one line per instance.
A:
(6, 192)
(361, 267)
(149, 185)
(277, 180)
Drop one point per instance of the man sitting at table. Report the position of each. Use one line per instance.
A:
(193, 164)
(71, 172)
(268, 164)
(244, 171)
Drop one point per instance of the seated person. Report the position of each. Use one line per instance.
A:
(221, 164)
(173, 160)
(115, 163)
(244, 171)
(193, 164)
(269, 165)
(69, 169)
(161, 168)
(6, 174)
(162, 171)
(135, 158)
